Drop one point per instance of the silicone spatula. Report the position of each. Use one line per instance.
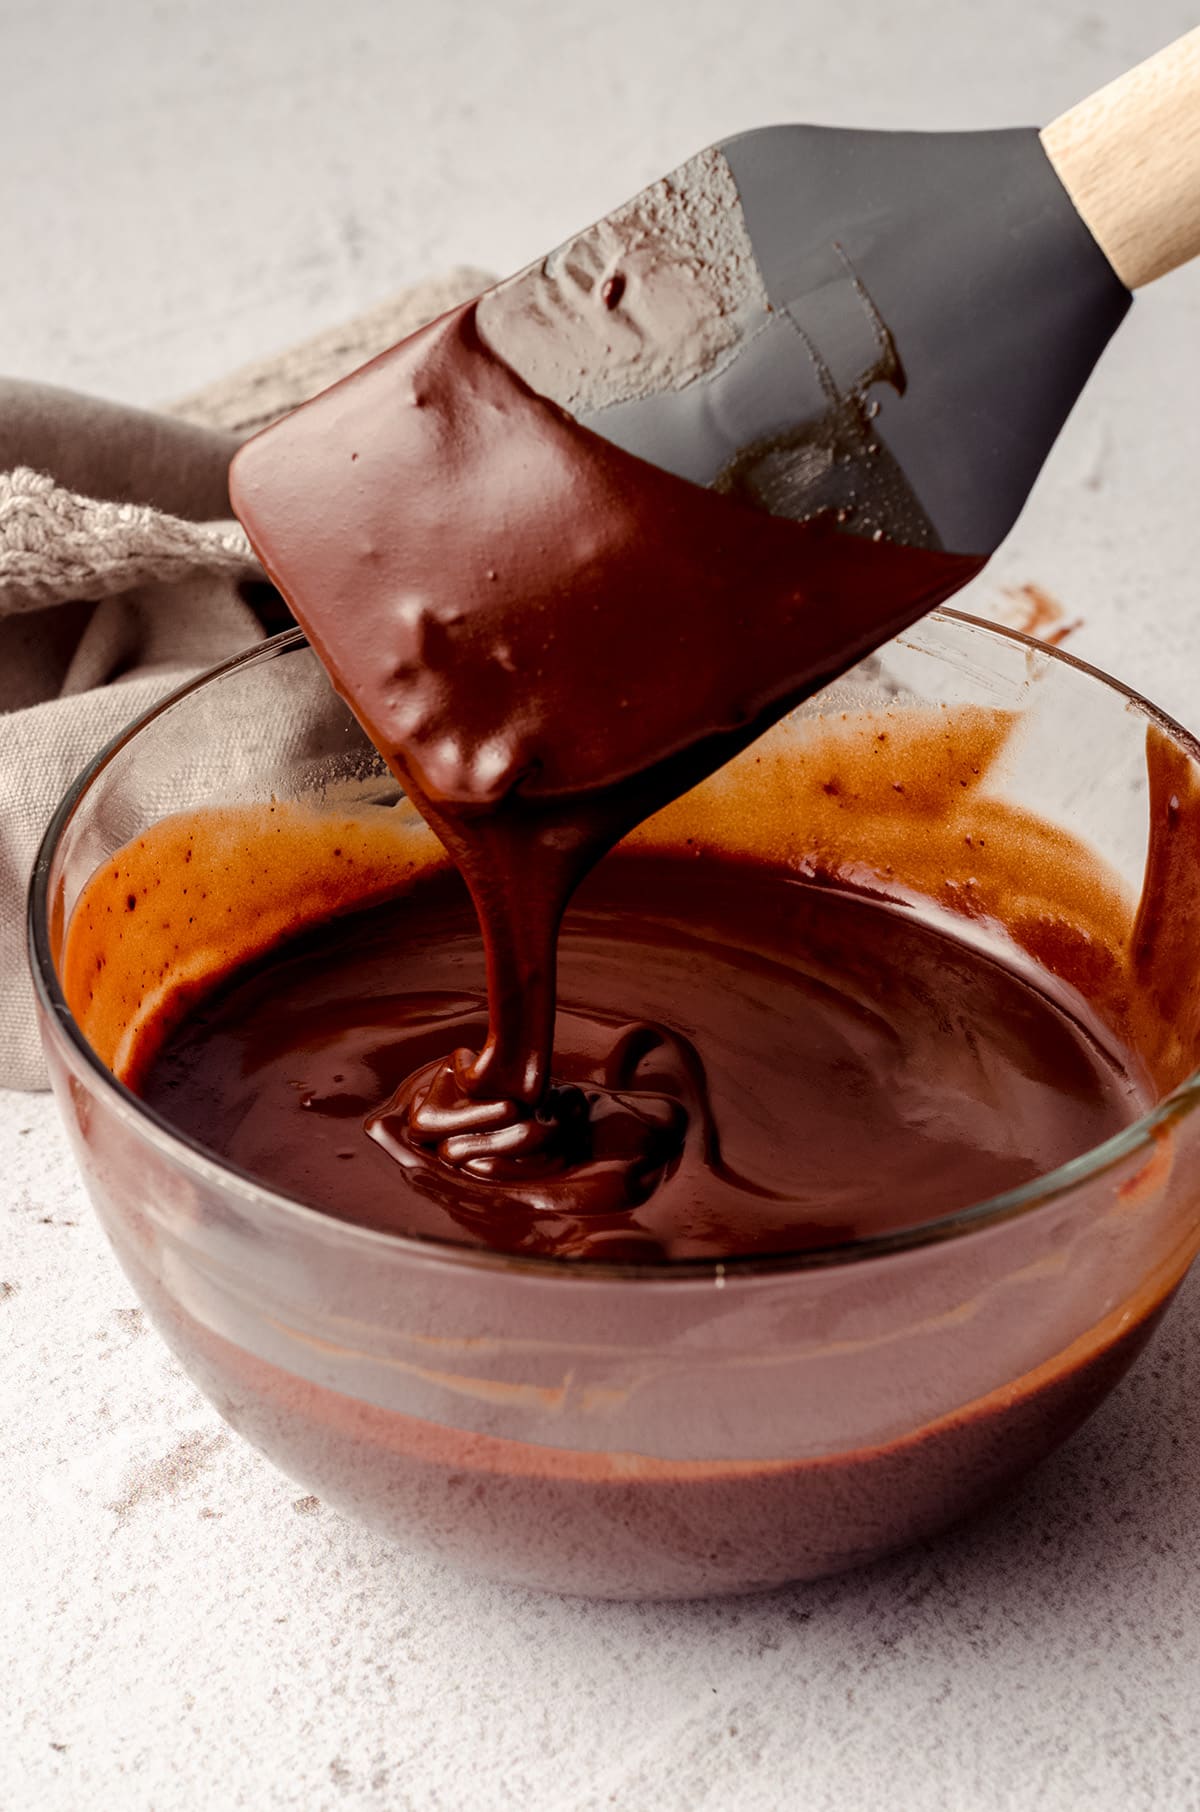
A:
(893, 325)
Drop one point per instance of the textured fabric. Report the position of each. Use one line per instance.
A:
(106, 607)
(56, 546)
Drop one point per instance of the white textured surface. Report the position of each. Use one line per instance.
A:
(181, 1631)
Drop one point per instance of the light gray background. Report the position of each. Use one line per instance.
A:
(185, 186)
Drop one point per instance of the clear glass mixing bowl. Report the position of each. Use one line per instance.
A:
(706, 1428)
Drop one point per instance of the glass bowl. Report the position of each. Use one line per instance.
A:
(665, 1432)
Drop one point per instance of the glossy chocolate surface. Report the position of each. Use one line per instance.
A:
(803, 1066)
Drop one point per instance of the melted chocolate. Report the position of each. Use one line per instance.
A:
(547, 639)
(800, 1066)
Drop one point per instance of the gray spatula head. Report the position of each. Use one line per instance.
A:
(893, 326)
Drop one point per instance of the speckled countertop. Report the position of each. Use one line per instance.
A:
(184, 188)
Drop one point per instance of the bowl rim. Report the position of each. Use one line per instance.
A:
(57, 1021)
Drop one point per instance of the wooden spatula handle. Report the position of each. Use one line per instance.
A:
(1129, 158)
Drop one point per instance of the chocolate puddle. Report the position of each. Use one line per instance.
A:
(761, 1065)
(547, 639)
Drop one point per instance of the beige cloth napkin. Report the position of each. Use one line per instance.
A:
(107, 606)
